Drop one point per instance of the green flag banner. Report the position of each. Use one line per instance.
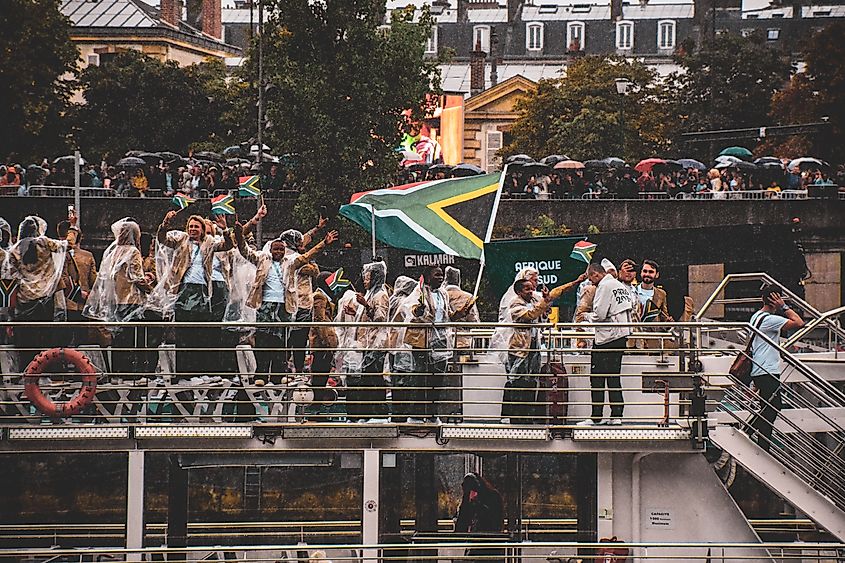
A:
(550, 256)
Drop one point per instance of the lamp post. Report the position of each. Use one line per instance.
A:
(623, 86)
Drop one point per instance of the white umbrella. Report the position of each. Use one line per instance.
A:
(807, 162)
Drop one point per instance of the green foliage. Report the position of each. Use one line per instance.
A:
(579, 115)
(337, 84)
(727, 85)
(546, 227)
(816, 93)
(36, 55)
(137, 102)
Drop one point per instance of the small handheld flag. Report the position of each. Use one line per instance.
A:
(583, 251)
(182, 201)
(337, 281)
(249, 185)
(223, 205)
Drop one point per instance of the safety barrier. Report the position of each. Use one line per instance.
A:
(467, 547)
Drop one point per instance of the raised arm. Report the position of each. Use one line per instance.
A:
(246, 251)
(228, 242)
(307, 237)
(259, 215)
(161, 233)
(567, 287)
(306, 256)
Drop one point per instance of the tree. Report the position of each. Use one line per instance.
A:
(728, 84)
(337, 84)
(581, 115)
(813, 95)
(137, 102)
(38, 59)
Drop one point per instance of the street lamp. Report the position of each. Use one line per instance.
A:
(623, 86)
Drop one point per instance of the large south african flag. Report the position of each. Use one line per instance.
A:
(453, 216)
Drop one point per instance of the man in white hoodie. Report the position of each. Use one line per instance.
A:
(611, 305)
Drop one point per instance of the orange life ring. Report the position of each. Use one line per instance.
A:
(46, 359)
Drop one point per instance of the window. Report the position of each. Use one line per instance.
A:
(94, 59)
(666, 34)
(431, 42)
(575, 36)
(481, 34)
(624, 35)
(773, 34)
(534, 36)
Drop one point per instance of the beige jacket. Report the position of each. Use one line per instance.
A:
(457, 299)
(262, 261)
(370, 338)
(81, 270)
(322, 336)
(529, 313)
(179, 241)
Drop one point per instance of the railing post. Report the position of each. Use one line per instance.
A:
(76, 188)
(135, 500)
(370, 499)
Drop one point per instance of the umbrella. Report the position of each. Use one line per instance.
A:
(462, 170)
(553, 159)
(150, 157)
(647, 164)
(518, 158)
(417, 167)
(768, 160)
(35, 173)
(69, 159)
(254, 148)
(208, 155)
(744, 166)
(807, 163)
(596, 164)
(437, 168)
(535, 168)
(614, 162)
(739, 152)
(727, 159)
(134, 153)
(130, 162)
(178, 162)
(688, 163)
(626, 170)
(668, 166)
(233, 151)
(410, 156)
(770, 166)
(167, 156)
(569, 165)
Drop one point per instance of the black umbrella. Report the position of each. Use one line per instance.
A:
(768, 160)
(35, 173)
(596, 164)
(535, 168)
(130, 162)
(627, 170)
(614, 162)
(518, 158)
(167, 156)
(150, 157)
(69, 159)
(134, 153)
(743, 166)
(233, 151)
(208, 155)
(462, 170)
(668, 166)
(177, 163)
(553, 159)
(437, 168)
(417, 167)
(203, 162)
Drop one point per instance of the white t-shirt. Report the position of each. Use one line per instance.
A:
(644, 294)
(196, 271)
(766, 357)
(217, 270)
(274, 288)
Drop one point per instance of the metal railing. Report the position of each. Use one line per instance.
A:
(465, 547)
(739, 195)
(89, 192)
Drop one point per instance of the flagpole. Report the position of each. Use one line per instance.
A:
(490, 226)
(373, 229)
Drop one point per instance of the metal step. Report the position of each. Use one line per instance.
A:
(780, 479)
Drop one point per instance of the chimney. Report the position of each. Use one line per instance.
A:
(615, 10)
(462, 11)
(171, 12)
(476, 70)
(211, 19)
(513, 9)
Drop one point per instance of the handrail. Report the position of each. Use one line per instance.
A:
(755, 276)
(807, 328)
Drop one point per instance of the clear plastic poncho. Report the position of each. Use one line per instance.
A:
(348, 357)
(500, 341)
(374, 337)
(121, 272)
(440, 340)
(401, 358)
(36, 260)
(241, 279)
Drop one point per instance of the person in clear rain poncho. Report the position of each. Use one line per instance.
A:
(184, 265)
(36, 263)
(458, 298)
(366, 397)
(119, 294)
(431, 347)
(7, 284)
(401, 359)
